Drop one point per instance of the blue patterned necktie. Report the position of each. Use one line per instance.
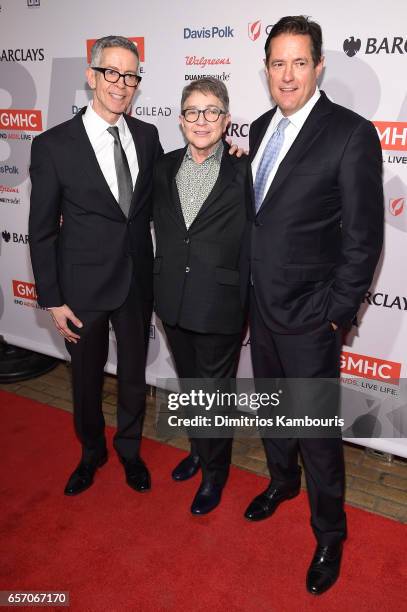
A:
(268, 159)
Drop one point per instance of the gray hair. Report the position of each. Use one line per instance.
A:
(111, 41)
(207, 85)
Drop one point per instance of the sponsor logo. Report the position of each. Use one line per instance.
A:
(26, 120)
(254, 29)
(222, 76)
(152, 111)
(22, 55)
(393, 135)
(22, 289)
(386, 300)
(240, 130)
(138, 41)
(10, 199)
(373, 368)
(396, 206)
(33, 3)
(15, 237)
(194, 60)
(9, 169)
(386, 45)
(212, 32)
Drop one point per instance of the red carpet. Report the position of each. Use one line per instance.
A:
(114, 549)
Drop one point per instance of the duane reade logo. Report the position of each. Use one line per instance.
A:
(22, 55)
(366, 366)
(388, 45)
(211, 32)
(254, 29)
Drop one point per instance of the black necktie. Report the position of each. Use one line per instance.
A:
(124, 180)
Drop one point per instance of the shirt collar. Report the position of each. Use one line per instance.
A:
(216, 153)
(298, 119)
(96, 126)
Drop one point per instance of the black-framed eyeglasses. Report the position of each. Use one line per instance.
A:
(210, 114)
(112, 76)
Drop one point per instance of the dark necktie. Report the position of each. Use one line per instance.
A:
(124, 180)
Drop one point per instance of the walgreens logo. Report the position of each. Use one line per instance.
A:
(392, 134)
(27, 120)
(365, 366)
(137, 40)
(24, 290)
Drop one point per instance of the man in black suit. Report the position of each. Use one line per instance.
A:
(199, 221)
(317, 224)
(95, 171)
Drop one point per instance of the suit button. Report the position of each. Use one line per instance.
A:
(187, 269)
(257, 223)
(186, 240)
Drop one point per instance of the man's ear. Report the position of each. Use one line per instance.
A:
(91, 78)
(319, 67)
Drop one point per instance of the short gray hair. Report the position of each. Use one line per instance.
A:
(111, 41)
(207, 85)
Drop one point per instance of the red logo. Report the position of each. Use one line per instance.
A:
(373, 368)
(25, 120)
(21, 289)
(392, 134)
(138, 41)
(254, 30)
(194, 60)
(396, 206)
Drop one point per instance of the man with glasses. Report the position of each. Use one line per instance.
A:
(96, 171)
(199, 221)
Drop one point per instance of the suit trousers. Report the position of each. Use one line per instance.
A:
(131, 326)
(314, 354)
(211, 356)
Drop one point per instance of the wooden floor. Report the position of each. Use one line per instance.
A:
(371, 482)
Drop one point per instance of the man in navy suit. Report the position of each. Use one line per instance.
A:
(317, 225)
(96, 171)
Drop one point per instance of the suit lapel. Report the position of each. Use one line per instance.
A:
(225, 177)
(172, 171)
(310, 131)
(88, 161)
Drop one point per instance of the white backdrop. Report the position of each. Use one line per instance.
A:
(43, 46)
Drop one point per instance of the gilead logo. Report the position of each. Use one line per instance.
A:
(392, 134)
(138, 41)
(21, 289)
(370, 367)
(26, 120)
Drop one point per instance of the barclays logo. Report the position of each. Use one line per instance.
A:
(213, 32)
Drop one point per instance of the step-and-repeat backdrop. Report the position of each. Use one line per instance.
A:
(43, 56)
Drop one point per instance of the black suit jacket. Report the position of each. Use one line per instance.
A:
(89, 261)
(316, 240)
(197, 280)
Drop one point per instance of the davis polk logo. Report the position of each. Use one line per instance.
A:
(138, 41)
(25, 120)
(211, 32)
(364, 366)
(396, 206)
(393, 135)
(254, 29)
(387, 45)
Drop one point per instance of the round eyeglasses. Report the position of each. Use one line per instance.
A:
(112, 76)
(210, 114)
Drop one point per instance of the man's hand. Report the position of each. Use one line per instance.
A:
(235, 150)
(61, 315)
(334, 325)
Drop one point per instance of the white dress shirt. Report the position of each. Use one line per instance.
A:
(297, 120)
(103, 142)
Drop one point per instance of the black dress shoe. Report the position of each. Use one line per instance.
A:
(137, 475)
(324, 569)
(186, 468)
(267, 502)
(82, 478)
(207, 498)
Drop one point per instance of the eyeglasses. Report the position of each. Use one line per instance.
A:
(210, 114)
(112, 76)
